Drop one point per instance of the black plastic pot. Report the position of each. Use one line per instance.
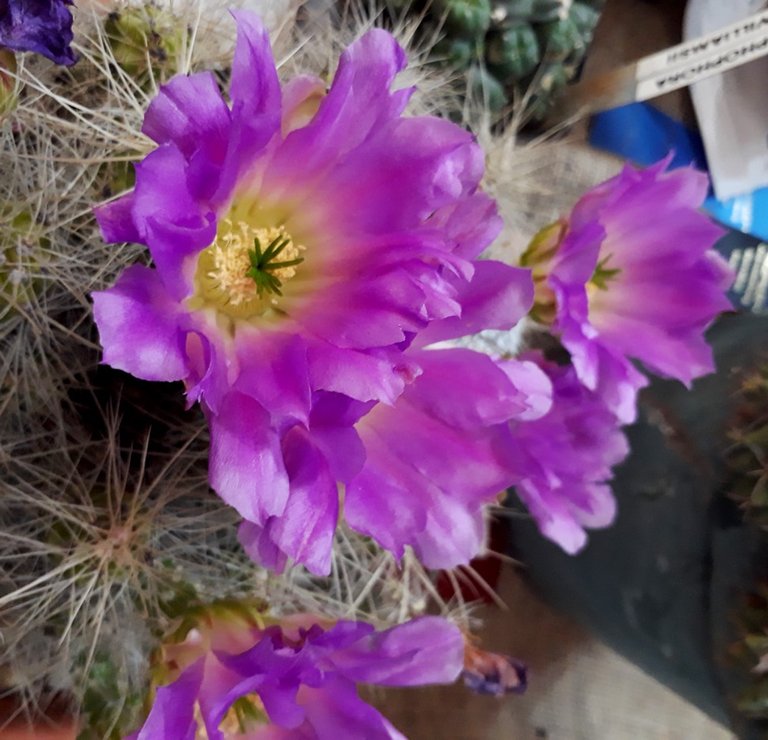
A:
(665, 584)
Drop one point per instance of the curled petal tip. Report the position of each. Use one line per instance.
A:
(493, 674)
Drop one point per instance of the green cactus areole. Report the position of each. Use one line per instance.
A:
(144, 40)
(22, 245)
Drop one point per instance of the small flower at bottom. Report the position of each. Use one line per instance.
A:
(631, 274)
(294, 679)
(41, 26)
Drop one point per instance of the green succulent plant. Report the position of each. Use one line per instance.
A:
(465, 18)
(750, 654)
(20, 260)
(145, 40)
(747, 458)
(514, 46)
(109, 707)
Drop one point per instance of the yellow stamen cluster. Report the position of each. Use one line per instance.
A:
(223, 279)
(538, 257)
(231, 261)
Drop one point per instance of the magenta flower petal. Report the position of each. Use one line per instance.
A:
(273, 674)
(254, 86)
(564, 460)
(305, 528)
(454, 534)
(497, 298)
(208, 362)
(433, 161)
(246, 459)
(337, 711)
(358, 102)
(473, 223)
(459, 444)
(437, 456)
(300, 98)
(665, 320)
(256, 101)
(280, 381)
(163, 201)
(579, 254)
(392, 305)
(257, 542)
(363, 376)
(139, 327)
(116, 220)
(600, 367)
(332, 425)
(424, 650)
(531, 381)
(169, 219)
(173, 711)
(380, 502)
(487, 396)
(676, 190)
(190, 113)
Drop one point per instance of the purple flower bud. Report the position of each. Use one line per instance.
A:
(41, 26)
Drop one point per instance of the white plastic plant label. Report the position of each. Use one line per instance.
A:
(731, 108)
(728, 46)
(722, 47)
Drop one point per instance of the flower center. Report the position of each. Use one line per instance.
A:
(242, 273)
(246, 714)
(538, 257)
(603, 274)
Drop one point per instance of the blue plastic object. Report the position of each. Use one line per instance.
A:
(642, 134)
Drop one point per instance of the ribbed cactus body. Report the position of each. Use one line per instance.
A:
(515, 46)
